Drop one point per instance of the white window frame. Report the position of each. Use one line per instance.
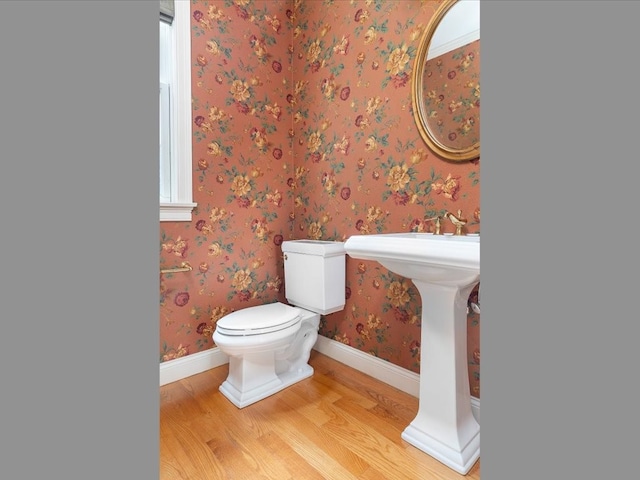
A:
(181, 205)
(165, 143)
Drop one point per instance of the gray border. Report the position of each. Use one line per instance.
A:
(559, 108)
(80, 229)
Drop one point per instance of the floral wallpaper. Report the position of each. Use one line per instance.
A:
(302, 128)
(452, 96)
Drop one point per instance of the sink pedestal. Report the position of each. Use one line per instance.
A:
(444, 269)
(445, 427)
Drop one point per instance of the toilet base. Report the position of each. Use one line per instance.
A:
(276, 384)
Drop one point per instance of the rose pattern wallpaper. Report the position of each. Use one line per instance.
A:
(303, 128)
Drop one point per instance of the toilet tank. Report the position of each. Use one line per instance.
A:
(314, 274)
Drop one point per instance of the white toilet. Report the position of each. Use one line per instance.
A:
(269, 345)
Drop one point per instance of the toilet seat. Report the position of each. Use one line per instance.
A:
(259, 320)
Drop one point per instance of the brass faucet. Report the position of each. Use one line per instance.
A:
(458, 220)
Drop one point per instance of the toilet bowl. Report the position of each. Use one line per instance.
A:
(268, 348)
(269, 345)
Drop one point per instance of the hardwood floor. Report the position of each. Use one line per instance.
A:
(339, 424)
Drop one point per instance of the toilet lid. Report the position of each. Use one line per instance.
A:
(259, 319)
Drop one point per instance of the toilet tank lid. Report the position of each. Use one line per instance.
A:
(259, 319)
(324, 248)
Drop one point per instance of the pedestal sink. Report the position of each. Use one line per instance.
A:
(444, 269)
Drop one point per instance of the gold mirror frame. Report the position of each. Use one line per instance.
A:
(417, 87)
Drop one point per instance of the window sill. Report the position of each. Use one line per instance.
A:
(176, 212)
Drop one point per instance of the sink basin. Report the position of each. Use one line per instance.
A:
(444, 269)
(450, 259)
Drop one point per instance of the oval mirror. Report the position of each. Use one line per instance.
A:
(446, 81)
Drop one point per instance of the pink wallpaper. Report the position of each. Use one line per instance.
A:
(303, 129)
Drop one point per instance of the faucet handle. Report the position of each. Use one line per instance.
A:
(458, 220)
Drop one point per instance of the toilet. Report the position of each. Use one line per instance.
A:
(269, 345)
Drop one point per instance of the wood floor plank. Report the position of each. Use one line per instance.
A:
(307, 438)
(193, 457)
(169, 470)
(391, 430)
(318, 437)
(373, 474)
(390, 400)
(305, 444)
(383, 454)
(338, 424)
(297, 465)
(342, 391)
(242, 456)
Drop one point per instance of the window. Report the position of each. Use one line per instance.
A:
(176, 194)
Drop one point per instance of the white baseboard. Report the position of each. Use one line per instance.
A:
(398, 377)
(183, 367)
(401, 378)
